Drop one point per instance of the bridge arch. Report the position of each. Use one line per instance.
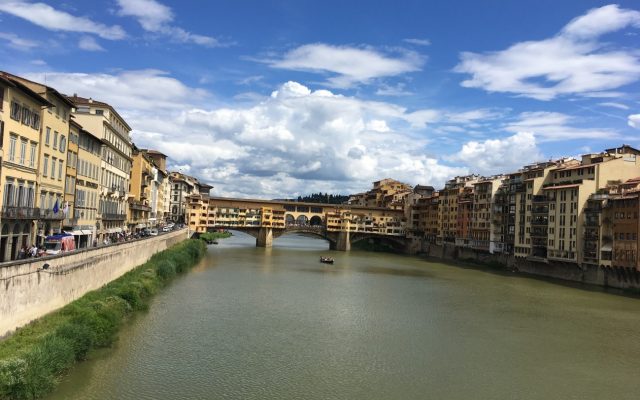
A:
(302, 220)
(315, 221)
(290, 219)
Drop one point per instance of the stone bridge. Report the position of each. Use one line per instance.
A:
(266, 220)
(340, 240)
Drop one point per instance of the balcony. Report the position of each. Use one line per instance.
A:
(50, 215)
(70, 222)
(540, 210)
(20, 213)
(540, 199)
(539, 222)
(139, 206)
(113, 217)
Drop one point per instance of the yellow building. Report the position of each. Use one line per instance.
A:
(21, 112)
(160, 187)
(53, 157)
(448, 210)
(386, 193)
(485, 224)
(69, 224)
(88, 187)
(140, 191)
(103, 122)
(570, 187)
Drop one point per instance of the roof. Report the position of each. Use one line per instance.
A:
(154, 152)
(47, 88)
(296, 203)
(77, 100)
(11, 81)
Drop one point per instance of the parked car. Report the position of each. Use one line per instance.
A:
(153, 232)
(166, 229)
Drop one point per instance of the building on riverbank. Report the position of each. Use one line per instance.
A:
(103, 122)
(21, 110)
(54, 133)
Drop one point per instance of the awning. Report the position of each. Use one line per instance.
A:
(87, 232)
(74, 233)
(606, 247)
(140, 226)
(114, 230)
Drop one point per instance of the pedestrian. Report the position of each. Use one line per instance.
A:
(22, 253)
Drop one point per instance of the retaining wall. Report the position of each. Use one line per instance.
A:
(619, 278)
(27, 291)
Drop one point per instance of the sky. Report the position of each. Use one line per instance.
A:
(272, 99)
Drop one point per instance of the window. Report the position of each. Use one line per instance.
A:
(1, 97)
(8, 194)
(63, 143)
(60, 167)
(23, 151)
(99, 112)
(47, 136)
(16, 111)
(53, 167)
(55, 139)
(12, 147)
(45, 165)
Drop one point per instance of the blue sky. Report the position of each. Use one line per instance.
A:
(280, 98)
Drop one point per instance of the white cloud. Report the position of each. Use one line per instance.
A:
(293, 142)
(418, 42)
(348, 65)
(421, 118)
(572, 62)
(47, 17)
(151, 90)
(156, 17)
(397, 90)
(554, 126)
(614, 105)
(634, 121)
(88, 43)
(494, 156)
(17, 42)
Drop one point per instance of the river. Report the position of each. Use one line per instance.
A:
(255, 323)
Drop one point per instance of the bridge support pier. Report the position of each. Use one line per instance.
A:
(265, 237)
(343, 243)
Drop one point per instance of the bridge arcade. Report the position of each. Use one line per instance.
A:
(266, 220)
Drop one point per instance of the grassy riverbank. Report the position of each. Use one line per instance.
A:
(34, 358)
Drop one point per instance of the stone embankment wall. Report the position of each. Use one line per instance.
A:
(619, 278)
(27, 291)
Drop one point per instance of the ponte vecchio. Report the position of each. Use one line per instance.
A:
(265, 220)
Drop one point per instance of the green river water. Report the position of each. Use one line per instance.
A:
(255, 323)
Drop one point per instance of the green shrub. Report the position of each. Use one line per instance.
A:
(13, 372)
(33, 358)
(166, 270)
(80, 335)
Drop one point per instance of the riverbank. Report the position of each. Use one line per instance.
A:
(35, 356)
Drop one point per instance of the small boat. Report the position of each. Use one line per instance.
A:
(326, 260)
(215, 242)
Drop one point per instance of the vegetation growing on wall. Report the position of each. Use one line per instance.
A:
(211, 236)
(34, 358)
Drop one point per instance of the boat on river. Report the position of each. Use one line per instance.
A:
(326, 260)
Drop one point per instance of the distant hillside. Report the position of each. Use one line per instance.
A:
(324, 198)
